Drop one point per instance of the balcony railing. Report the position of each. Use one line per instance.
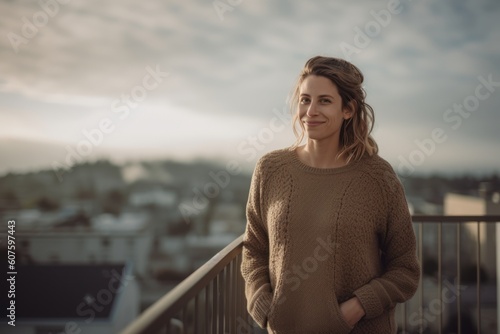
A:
(212, 299)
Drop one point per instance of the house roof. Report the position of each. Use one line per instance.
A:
(46, 292)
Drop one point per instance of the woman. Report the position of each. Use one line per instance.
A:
(329, 245)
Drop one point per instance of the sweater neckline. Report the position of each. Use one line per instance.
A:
(316, 170)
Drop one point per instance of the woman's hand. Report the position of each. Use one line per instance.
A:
(352, 311)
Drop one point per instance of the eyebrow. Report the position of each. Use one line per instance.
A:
(320, 96)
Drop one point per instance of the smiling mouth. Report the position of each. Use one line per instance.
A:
(312, 123)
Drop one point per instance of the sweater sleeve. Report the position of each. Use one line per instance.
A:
(398, 245)
(255, 258)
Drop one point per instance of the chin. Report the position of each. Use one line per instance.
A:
(318, 136)
(313, 137)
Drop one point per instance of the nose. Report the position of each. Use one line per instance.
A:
(311, 109)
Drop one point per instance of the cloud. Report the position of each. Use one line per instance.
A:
(228, 75)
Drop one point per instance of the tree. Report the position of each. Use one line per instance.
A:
(45, 203)
(114, 201)
(9, 201)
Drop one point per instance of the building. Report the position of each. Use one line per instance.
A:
(105, 239)
(84, 299)
(487, 202)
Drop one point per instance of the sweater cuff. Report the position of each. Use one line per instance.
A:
(260, 305)
(370, 300)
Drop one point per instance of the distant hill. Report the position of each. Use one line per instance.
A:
(94, 180)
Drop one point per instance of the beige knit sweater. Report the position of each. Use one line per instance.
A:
(317, 237)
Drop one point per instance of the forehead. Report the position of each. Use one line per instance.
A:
(318, 85)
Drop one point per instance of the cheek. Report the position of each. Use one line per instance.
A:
(334, 113)
(301, 111)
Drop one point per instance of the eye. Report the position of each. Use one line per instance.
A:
(325, 101)
(304, 100)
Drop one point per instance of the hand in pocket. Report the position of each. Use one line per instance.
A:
(352, 311)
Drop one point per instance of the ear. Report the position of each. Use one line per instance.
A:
(349, 109)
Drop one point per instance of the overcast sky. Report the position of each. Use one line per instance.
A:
(187, 79)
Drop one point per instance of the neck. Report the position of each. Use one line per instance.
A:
(321, 155)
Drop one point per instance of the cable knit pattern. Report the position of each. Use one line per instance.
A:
(317, 237)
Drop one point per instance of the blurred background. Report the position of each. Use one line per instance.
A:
(129, 131)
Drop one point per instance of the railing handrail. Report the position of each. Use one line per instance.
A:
(172, 302)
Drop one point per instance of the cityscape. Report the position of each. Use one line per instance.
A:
(152, 224)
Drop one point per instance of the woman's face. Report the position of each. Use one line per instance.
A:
(320, 108)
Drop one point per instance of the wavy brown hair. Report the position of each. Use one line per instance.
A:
(355, 132)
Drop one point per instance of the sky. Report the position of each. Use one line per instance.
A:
(183, 80)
